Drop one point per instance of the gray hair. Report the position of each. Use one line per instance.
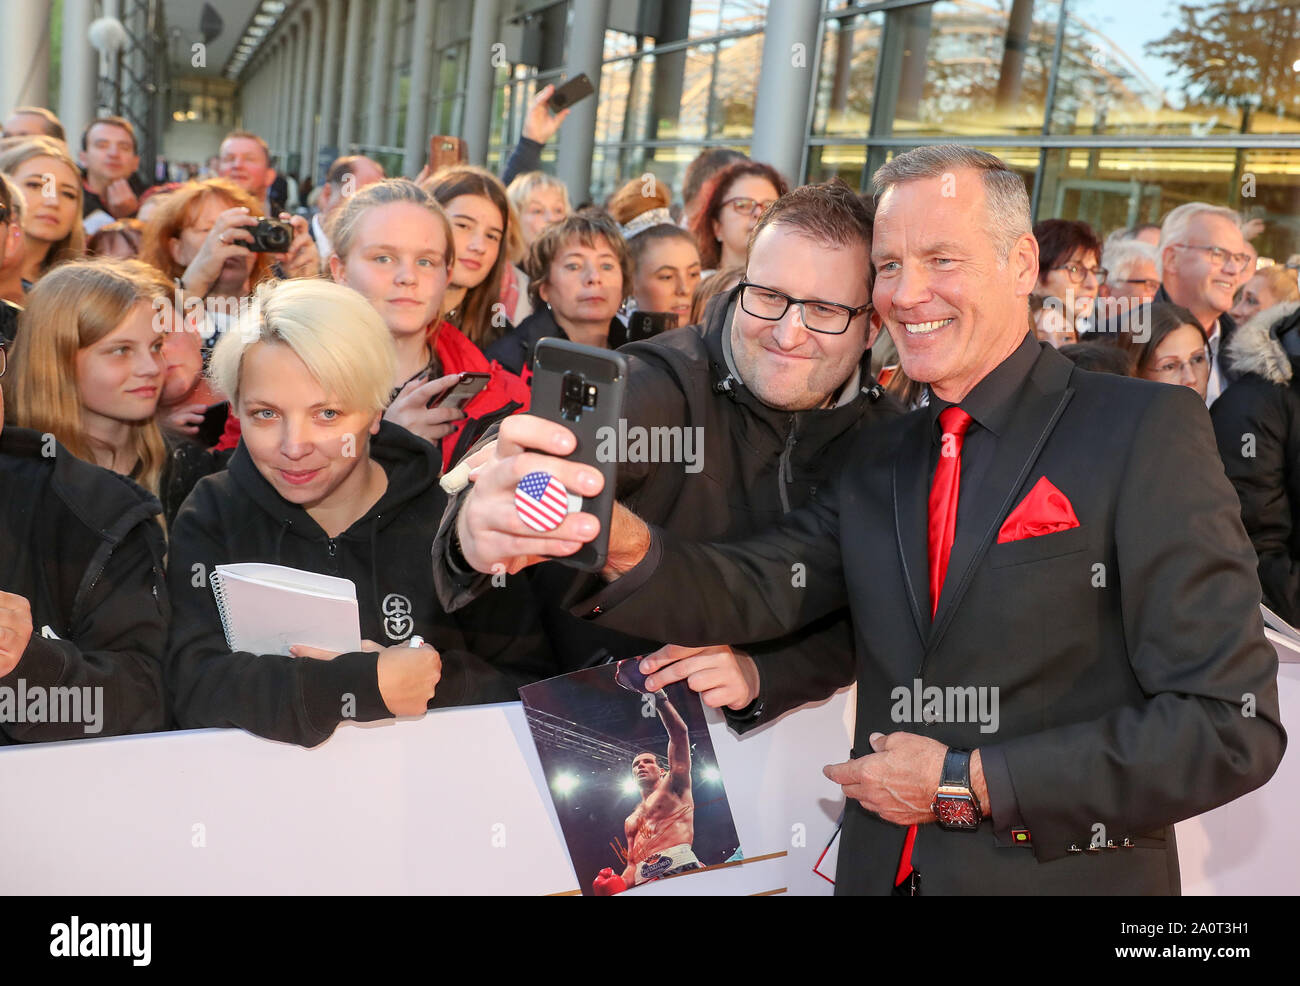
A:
(1005, 198)
(1174, 228)
(1119, 257)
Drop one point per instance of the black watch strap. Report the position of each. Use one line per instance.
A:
(956, 769)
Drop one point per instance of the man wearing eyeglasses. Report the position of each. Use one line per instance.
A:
(778, 381)
(1203, 260)
(1063, 543)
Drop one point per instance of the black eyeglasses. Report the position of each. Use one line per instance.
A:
(1077, 272)
(826, 317)
(4, 360)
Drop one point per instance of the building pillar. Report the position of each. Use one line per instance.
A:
(586, 52)
(477, 124)
(377, 83)
(415, 139)
(311, 91)
(298, 47)
(327, 132)
(785, 81)
(79, 64)
(351, 71)
(25, 67)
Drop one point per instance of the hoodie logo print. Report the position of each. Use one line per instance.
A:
(397, 616)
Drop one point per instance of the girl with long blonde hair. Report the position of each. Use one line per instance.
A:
(88, 366)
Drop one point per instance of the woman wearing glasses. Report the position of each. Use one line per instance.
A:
(735, 199)
(1176, 349)
(1069, 268)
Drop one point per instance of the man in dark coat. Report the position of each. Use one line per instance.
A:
(1060, 652)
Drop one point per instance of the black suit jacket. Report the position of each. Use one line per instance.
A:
(1120, 650)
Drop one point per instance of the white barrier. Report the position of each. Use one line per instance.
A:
(456, 803)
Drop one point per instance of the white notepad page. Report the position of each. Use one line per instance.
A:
(265, 609)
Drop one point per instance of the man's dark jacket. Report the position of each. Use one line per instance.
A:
(82, 545)
(488, 650)
(1135, 685)
(1257, 424)
(756, 464)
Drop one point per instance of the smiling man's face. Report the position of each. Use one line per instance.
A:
(784, 363)
(953, 308)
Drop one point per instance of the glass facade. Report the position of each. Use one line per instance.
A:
(1115, 111)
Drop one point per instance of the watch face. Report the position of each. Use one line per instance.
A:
(956, 812)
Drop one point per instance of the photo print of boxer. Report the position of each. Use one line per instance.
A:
(633, 777)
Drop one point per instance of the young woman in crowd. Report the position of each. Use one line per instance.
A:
(394, 244)
(88, 364)
(475, 202)
(1266, 288)
(665, 270)
(579, 267)
(1176, 349)
(51, 184)
(734, 199)
(1069, 266)
(321, 482)
(83, 603)
(539, 200)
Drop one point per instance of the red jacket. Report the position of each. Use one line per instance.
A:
(456, 354)
(504, 390)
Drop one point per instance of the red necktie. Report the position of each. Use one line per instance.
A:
(944, 490)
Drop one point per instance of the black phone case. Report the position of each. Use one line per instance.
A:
(573, 90)
(552, 359)
(647, 325)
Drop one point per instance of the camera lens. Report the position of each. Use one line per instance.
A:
(277, 238)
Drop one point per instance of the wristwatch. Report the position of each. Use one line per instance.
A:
(955, 805)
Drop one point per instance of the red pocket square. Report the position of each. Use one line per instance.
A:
(1045, 510)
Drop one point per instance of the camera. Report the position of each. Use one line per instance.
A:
(576, 396)
(270, 236)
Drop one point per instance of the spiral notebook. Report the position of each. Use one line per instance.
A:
(265, 609)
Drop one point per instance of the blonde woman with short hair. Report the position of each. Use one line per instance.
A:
(322, 482)
(88, 366)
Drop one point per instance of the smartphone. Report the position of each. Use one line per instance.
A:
(647, 325)
(582, 388)
(213, 425)
(461, 392)
(574, 90)
(445, 151)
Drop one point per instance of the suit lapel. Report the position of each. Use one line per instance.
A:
(1039, 406)
(911, 489)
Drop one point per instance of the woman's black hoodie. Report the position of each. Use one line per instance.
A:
(237, 516)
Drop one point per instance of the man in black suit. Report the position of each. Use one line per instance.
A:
(1056, 547)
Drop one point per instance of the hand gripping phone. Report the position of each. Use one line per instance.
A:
(582, 388)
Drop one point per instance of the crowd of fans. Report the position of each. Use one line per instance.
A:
(163, 348)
